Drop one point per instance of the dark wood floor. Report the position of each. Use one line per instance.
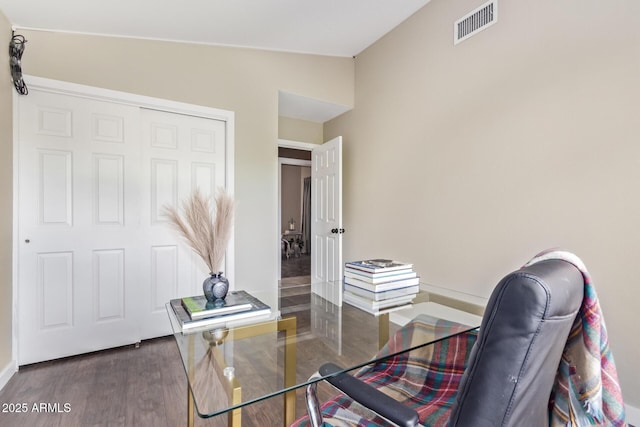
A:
(129, 386)
(119, 387)
(295, 266)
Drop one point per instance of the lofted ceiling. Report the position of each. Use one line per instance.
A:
(321, 27)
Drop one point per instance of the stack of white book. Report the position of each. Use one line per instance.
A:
(380, 285)
(196, 311)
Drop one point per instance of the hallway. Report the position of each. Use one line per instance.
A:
(296, 266)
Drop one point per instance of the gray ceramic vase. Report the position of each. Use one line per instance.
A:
(215, 287)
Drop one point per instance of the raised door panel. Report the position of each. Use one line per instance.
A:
(55, 183)
(164, 187)
(108, 128)
(54, 121)
(108, 189)
(108, 284)
(55, 290)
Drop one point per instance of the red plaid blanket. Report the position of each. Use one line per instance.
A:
(425, 379)
(586, 391)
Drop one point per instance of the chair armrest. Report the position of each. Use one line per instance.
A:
(370, 397)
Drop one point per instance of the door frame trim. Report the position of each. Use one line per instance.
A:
(119, 97)
(297, 145)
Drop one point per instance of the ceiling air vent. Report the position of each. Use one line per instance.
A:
(476, 21)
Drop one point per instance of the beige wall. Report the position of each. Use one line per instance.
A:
(245, 81)
(6, 199)
(524, 137)
(291, 195)
(521, 138)
(300, 130)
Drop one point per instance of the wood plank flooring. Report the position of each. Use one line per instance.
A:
(130, 386)
(295, 266)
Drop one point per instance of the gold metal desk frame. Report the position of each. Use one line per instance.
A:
(360, 336)
(231, 385)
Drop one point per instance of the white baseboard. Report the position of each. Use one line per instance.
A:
(633, 415)
(7, 373)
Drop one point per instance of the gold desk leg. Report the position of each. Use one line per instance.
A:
(235, 416)
(231, 386)
(190, 369)
(190, 407)
(288, 325)
(383, 329)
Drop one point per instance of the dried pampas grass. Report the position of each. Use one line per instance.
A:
(206, 231)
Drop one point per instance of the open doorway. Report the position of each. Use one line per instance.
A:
(295, 214)
(325, 223)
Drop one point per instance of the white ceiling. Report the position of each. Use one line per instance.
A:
(304, 108)
(323, 27)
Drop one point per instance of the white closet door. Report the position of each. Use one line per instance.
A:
(97, 261)
(180, 153)
(78, 214)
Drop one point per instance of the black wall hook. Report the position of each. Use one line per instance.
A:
(16, 49)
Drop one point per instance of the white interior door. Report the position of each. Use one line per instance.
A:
(326, 219)
(96, 260)
(179, 154)
(77, 226)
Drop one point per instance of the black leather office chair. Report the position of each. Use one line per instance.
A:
(511, 369)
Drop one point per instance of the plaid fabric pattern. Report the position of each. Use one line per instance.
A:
(425, 379)
(586, 390)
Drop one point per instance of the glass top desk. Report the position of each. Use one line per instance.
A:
(239, 364)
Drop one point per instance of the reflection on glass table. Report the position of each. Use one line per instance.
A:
(239, 364)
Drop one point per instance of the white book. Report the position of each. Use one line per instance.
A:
(376, 296)
(197, 306)
(379, 265)
(377, 305)
(378, 287)
(390, 277)
(260, 311)
(378, 312)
